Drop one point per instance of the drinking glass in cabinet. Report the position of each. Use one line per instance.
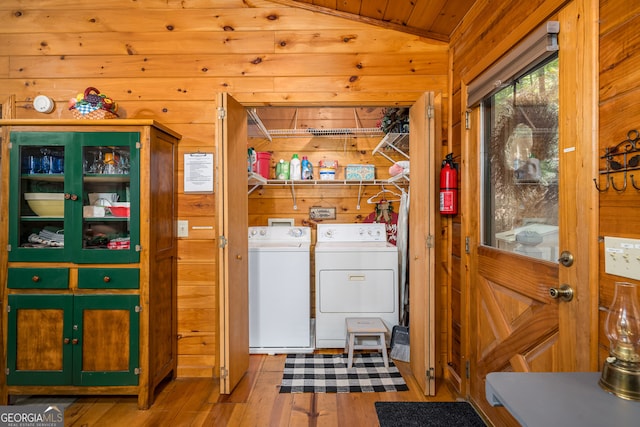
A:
(106, 160)
(42, 160)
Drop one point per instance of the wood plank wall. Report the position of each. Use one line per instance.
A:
(166, 59)
(619, 113)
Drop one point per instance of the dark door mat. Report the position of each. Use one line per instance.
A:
(429, 414)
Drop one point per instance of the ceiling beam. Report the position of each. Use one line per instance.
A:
(363, 19)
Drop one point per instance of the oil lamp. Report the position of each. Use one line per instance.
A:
(621, 371)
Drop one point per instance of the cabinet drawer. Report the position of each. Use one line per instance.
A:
(108, 278)
(38, 278)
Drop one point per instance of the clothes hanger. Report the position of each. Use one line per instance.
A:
(381, 192)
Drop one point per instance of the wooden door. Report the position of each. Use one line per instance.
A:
(515, 325)
(422, 317)
(39, 340)
(513, 320)
(233, 270)
(106, 337)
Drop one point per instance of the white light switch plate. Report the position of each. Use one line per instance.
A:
(183, 228)
(622, 257)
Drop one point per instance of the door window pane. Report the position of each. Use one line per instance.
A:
(520, 165)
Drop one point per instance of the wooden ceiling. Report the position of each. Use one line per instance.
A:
(434, 19)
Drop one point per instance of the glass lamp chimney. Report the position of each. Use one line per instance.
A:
(622, 325)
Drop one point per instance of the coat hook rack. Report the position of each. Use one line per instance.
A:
(620, 159)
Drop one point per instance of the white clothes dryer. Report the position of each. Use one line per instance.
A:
(356, 274)
(279, 290)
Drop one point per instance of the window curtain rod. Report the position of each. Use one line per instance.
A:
(533, 50)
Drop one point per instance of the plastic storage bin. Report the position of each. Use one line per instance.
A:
(263, 163)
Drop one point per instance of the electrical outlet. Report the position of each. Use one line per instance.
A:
(622, 257)
(183, 228)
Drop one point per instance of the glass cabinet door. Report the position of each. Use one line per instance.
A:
(110, 198)
(74, 197)
(39, 211)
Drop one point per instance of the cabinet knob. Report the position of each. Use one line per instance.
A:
(238, 256)
(74, 341)
(35, 278)
(67, 341)
(74, 197)
(106, 279)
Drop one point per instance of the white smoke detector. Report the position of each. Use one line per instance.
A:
(43, 104)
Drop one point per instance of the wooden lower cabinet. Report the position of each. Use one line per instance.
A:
(81, 340)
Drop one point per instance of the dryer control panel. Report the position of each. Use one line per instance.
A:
(362, 232)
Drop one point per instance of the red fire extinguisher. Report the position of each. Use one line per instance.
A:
(449, 186)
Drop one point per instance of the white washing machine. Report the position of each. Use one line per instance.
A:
(356, 276)
(279, 290)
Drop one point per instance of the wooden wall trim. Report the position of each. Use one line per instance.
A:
(578, 132)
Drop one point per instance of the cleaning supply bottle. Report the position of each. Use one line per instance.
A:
(307, 168)
(251, 160)
(295, 169)
(282, 170)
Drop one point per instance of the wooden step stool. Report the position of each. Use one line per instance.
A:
(358, 327)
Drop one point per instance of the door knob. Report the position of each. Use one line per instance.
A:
(565, 293)
(566, 258)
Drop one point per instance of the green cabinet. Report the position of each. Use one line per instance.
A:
(88, 267)
(85, 340)
(74, 197)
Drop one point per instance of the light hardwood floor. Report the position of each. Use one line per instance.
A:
(256, 402)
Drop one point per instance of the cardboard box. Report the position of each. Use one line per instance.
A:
(360, 172)
(93, 211)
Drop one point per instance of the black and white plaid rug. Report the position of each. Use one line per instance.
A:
(328, 373)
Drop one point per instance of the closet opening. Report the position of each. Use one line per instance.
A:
(353, 177)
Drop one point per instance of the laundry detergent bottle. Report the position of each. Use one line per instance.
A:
(282, 170)
(295, 168)
(307, 168)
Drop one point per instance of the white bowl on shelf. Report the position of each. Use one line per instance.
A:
(102, 199)
(46, 204)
